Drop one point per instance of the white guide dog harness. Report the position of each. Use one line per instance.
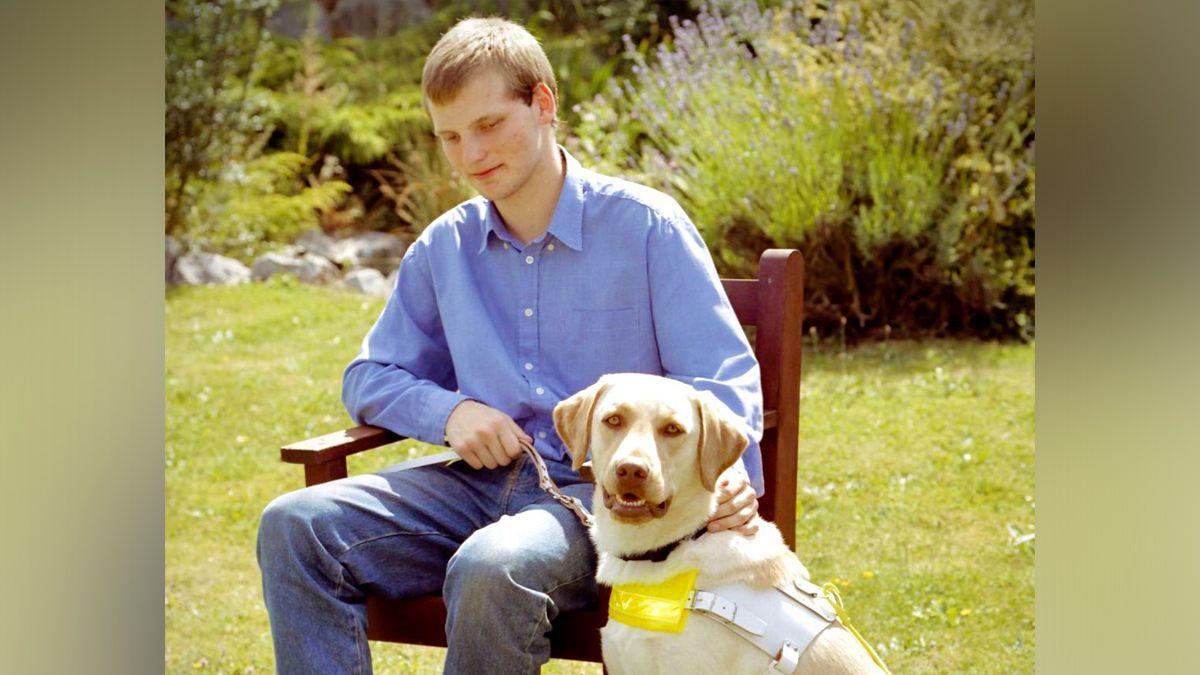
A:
(781, 620)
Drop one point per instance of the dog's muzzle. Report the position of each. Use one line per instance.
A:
(633, 507)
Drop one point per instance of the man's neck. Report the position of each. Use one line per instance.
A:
(527, 214)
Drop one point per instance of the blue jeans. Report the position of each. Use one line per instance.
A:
(505, 557)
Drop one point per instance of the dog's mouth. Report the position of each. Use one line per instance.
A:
(630, 507)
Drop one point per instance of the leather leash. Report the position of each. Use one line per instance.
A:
(547, 484)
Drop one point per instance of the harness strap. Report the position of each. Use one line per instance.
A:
(727, 610)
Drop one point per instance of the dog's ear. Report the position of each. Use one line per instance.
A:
(573, 421)
(721, 438)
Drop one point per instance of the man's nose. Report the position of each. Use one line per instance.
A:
(474, 150)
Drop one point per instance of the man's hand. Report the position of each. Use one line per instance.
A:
(484, 436)
(737, 504)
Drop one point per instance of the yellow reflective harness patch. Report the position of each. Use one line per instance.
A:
(660, 607)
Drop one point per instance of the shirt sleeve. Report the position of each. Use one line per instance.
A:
(700, 341)
(403, 377)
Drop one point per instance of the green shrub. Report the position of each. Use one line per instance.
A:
(262, 202)
(354, 99)
(891, 143)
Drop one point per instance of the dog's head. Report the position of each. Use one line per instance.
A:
(651, 440)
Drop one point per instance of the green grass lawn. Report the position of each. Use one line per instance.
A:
(915, 482)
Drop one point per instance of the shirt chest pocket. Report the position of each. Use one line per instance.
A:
(598, 341)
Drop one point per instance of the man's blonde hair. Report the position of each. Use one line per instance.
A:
(474, 45)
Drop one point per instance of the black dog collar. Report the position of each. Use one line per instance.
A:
(660, 554)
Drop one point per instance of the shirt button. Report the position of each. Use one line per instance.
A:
(549, 247)
(540, 391)
(528, 260)
(528, 366)
(541, 434)
(506, 246)
(528, 312)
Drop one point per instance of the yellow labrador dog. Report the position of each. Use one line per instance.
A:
(658, 448)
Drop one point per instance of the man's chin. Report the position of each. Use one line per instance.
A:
(492, 193)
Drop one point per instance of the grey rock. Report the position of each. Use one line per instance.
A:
(378, 250)
(361, 18)
(309, 268)
(367, 280)
(174, 249)
(316, 241)
(376, 18)
(292, 17)
(198, 268)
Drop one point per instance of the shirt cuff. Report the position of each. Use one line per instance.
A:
(438, 406)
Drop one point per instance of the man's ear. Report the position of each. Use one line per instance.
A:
(573, 421)
(543, 98)
(721, 438)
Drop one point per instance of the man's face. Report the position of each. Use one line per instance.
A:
(494, 140)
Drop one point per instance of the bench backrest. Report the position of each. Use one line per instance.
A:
(774, 304)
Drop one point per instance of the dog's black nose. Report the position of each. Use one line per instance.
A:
(632, 470)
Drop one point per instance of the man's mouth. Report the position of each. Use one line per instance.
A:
(633, 508)
(486, 174)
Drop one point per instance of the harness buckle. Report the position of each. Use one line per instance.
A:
(787, 660)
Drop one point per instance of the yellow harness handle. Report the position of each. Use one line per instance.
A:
(835, 598)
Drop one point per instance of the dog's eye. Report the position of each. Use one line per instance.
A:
(672, 430)
(613, 421)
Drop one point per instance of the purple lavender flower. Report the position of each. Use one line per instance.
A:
(957, 127)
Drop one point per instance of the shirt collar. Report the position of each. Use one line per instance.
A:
(566, 224)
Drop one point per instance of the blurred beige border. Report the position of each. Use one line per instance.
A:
(81, 404)
(1118, 446)
(82, 393)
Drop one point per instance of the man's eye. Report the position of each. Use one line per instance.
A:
(613, 421)
(673, 430)
(492, 125)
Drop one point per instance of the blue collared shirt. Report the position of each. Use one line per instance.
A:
(620, 282)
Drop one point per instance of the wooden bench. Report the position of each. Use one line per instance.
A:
(773, 305)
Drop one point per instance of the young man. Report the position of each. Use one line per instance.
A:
(504, 306)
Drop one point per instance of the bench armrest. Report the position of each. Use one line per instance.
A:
(337, 445)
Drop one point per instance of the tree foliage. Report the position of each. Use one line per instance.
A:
(226, 188)
(211, 113)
